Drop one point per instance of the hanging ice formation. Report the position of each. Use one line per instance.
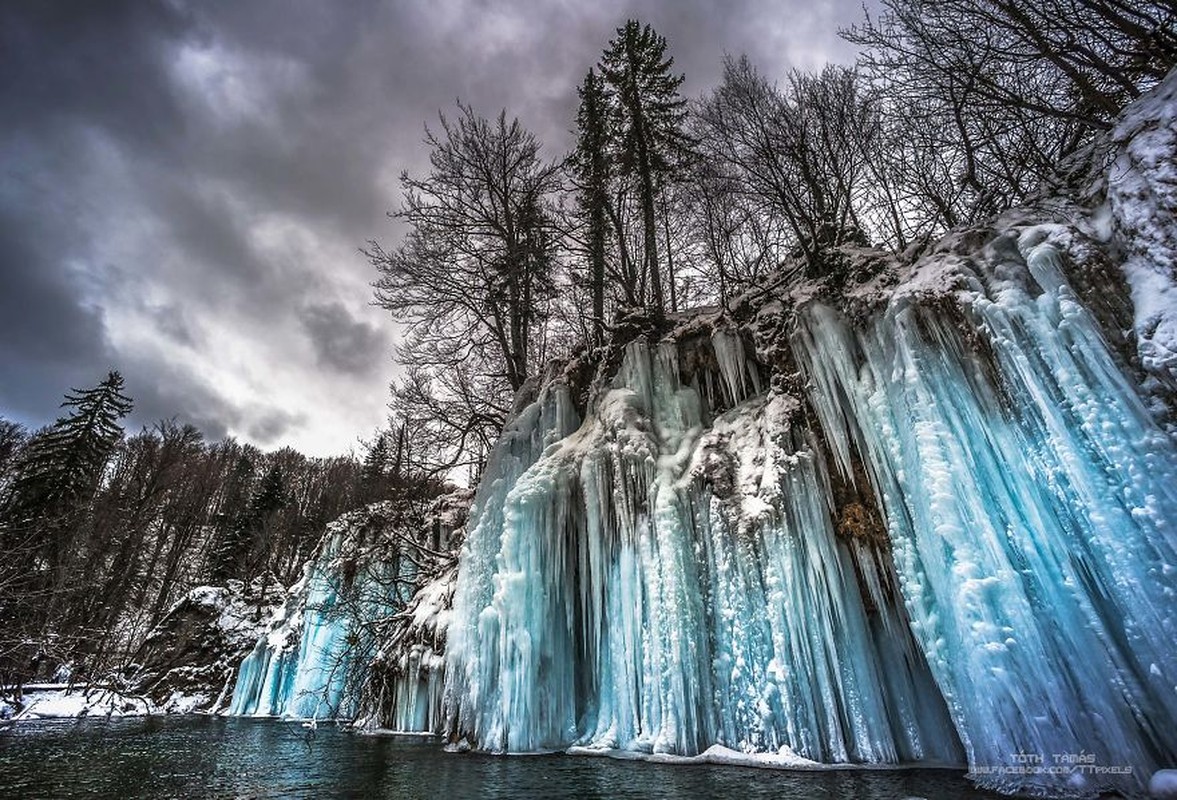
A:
(1030, 500)
(406, 681)
(696, 563)
(315, 661)
(662, 579)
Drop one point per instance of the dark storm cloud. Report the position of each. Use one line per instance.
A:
(341, 341)
(160, 391)
(63, 65)
(97, 64)
(184, 185)
(41, 317)
(269, 428)
(50, 338)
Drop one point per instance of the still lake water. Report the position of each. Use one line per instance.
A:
(205, 757)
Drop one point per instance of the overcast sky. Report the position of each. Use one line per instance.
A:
(186, 185)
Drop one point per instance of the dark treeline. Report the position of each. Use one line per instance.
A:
(102, 532)
(955, 111)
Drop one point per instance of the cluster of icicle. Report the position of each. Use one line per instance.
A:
(311, 663)
(404, 687)
(1031, 519)
(661, 578)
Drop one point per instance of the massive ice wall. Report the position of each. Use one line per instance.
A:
(1030, 499)
(929, 519)
(677, 571)
(662, 579)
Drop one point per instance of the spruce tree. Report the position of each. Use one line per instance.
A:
(269, 498)
(649, 115)
(375, 469)
(242, 546)
(62, 465)
(228, 550)
(56, 477)
(384, 466)
(590, 165)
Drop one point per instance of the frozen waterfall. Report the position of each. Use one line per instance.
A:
(313, 661)
(670, 573)
(1030, 500)
(660, 580)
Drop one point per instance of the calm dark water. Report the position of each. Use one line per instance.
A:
(214, 757)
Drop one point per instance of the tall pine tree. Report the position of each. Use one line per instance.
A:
(41, 524)
(374, 474)
(649, 115)
(63, 464)
(60, 470)
(590, 166)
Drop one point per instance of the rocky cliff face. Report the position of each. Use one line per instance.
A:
(189, 662)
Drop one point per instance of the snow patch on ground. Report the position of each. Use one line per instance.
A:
(1163, 785)
(717, 754)
(81, 702)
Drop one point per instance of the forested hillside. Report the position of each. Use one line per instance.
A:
(103, 530)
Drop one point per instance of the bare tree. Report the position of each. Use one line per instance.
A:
(472, 278)
(477, 260)
(794, 156)
(990, 95)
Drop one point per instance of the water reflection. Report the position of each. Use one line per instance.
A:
(214, 757)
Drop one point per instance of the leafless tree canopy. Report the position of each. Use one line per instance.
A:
(955, 110)
(471, 281)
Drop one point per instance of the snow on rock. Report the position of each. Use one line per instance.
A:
(784, 758)
(1142, 195)
(81, 701)
(188, 662)
(715, 754)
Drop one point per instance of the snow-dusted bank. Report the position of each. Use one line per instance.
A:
(187, 664)
(63, 701)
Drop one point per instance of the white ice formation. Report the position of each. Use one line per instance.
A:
(927, 520)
